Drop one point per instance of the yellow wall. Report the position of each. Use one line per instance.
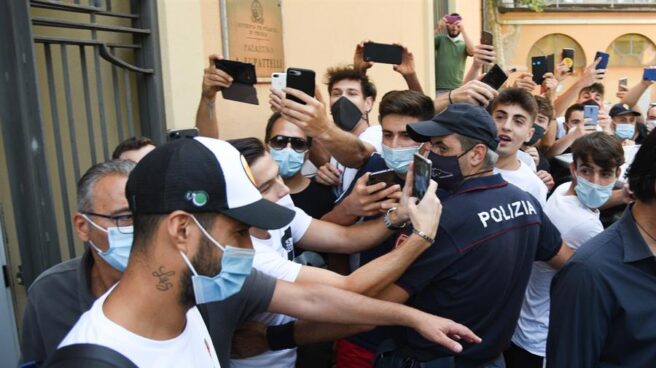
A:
(594, 31)
(317, 34)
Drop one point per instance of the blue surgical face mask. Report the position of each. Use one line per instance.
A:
(398, 159)
(120, 244)
(289, 161)
(236, 265)
(592, 195)
(624, 131)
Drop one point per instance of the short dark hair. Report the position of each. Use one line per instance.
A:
(599, 148)
(516, 96)
(131, 144)
(545, 107)
(272, 120)
(642, 172)
(571, 109)
(87, 183)
(251, 148)
(408, 103)
(594, 87)
(336, 74)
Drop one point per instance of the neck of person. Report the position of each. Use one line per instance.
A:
(102, 276)
(147, 300)
(510, 162)
(360, 127)
(297, 183)
(571, 190)
(643, 213)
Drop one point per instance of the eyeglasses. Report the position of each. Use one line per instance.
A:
(120, 220)
(298, 144)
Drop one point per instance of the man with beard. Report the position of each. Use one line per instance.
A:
(451, 52)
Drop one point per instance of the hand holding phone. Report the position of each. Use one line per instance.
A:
(603, 63)
(240, 72)
(302, 80)
(387, 176)
(421, 175)
(495, 78)
(383, 53)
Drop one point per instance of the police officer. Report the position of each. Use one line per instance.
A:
(489, 235)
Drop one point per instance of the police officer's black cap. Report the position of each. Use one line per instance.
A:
(465, 119)
(621, 110)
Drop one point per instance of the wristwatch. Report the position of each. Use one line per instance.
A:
(388, 222)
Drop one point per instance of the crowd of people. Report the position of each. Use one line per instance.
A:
(533, 246)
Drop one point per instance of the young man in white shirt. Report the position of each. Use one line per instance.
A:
(573, 209)
(514, 112)
(191, 246)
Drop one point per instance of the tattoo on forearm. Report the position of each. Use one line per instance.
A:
(163, 284)
(210, 109)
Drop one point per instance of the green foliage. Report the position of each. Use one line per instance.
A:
(534, 5)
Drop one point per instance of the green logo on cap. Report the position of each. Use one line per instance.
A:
(198, 198)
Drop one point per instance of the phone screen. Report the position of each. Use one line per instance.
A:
(383, 53)
(384, 176)
(421, 176)
(591, 111)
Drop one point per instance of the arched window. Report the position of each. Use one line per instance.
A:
(554, 44)
(632, 50)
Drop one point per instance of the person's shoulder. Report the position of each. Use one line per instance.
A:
(63, 272)
(601, 251)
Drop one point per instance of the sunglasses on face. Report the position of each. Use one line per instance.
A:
(280, 142)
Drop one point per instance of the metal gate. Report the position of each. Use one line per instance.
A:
(88, 77)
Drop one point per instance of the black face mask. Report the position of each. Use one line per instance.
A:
(446, 171)
(537, 135)
(345, 114)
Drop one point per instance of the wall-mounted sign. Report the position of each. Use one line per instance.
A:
(252, 33)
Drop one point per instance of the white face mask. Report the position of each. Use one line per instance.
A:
(651, 124)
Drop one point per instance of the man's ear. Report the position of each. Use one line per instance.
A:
(179, 229)
(81, 226)
(368, 104)
(477, 155)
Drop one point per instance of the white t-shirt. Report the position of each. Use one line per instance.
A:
(526, 180)
(192, 348)
(577, 224)
(274, 256)
(372, 135)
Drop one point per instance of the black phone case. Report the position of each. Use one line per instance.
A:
(174, 134)
(568, 53)
(495, 78)
(240, 72)
(302, 80)
(538, 68)
(386, 176)
(383, 53)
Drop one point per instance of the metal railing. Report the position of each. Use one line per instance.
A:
(566, 4)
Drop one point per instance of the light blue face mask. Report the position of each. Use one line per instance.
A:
(398, 159)
(236, 265)
(289, 161)
(624, 131)
(120, 244)
(592, 195)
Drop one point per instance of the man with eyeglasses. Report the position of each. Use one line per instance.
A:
(58, 297)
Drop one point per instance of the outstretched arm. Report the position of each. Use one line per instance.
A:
(213, 80)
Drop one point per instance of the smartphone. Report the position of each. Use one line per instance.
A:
(387, 176)
(302, 80)
(487, 38)
(383, 53)
(538, 68)
(173, 134)
(649, 74)
(278, 81)
(495, 78)
(622, 84)
(591, 111)
(240, 72)
(603, 64)
(567, 56)
(421, 175)
(452, 18)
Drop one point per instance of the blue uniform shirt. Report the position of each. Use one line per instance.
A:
(476, 272)
(603, 303)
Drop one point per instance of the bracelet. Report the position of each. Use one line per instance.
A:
(423, 235)
(450, 101)
(388, 222)
(280, 337)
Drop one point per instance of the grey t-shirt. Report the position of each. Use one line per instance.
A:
(61, 294)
